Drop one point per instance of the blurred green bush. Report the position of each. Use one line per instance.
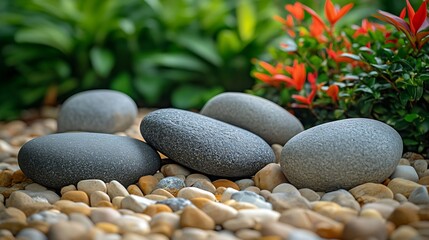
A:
(160, 52)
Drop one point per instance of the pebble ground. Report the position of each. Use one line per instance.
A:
(177, 203)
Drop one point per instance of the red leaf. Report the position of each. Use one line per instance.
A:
(419, 17)
(301, 99)
(403, 13)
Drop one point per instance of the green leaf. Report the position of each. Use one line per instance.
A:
(411, 117)
(150, 88)
(203, 47)
(246, 19)
(102, 60)
(190, 96)
(228, 42)
(352, 56)
(123, 83)
(51, 36)
(177, 60)
(410, 142)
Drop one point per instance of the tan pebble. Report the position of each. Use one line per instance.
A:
(117, 201)
(133, 224)
(135, 190)
(18, 177)
(204, 185)
(240, 205)
(226, 193)
(194, 217)
(116, 189)
(174, 170)
(370, 192)
(269, 177)
(403, 216)
(104, 215)
(253, 189)
(384, 209)
(39, 225)
(192, 178)
(334, 211)
(26, 204)
(283, 201)
(259, 215)
(193, 192)
(244, 183)
(148, 183)
(12, 213)
(421, 166)
(82, 219)
(98, 196)
(404, 161)
(104, 204)
(307, 219)
(67, 231)
(154, 209)
(68, 188)
(107, 227)
(264, 193)
(91, 185)
(365, 228)
(136, 203)
(239, 223)
(190, 233)
(162, 192)
(423, 213)
(309, 194)
(35, 187)
(286, 188)
(217, 211)
(6, 178)
(404, 233)
(7, 191)
(225, 183)
(76, 196)
(424, 180)
(248, 234)
(13, 226)
(68, 207)
(403, 186)
(165, 223)
(155, 197)
(277, 149)
(412, 156)
(158, 176)
(371, 213)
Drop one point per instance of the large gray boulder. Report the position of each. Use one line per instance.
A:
(205, 144)
(258, 115)
(62, 159)
(341, 154)
(104, 111)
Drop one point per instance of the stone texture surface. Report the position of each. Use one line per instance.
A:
(342, 154)
(105, 111)
(258, 115)
(61, 159)
(205, 144)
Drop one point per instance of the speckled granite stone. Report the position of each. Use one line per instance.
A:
(61, 159)
(104, 111)
(205, 144)
(341, 154)
(258, 115)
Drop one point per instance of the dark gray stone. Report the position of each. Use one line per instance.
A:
(176, 204)
(171, 184)
(104, 111)
(341, 154)
(61, 159)
(258, 115)
(205, 144)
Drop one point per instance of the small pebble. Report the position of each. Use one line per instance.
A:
(195, 218)
(192, 178)
(116, 189)
(136, 203)
(98, 196)
(269, 177)
(174, 169)
(239, 223)
(244, 183)
(148, 183)
(171, 184)
(405, 172)
(365, 228)
(403, 186)
(419, 196)
(309, 194)
(217, 211)
(91, 185)
(248, 234)
(403, 216)
(288, 189)
(424, 180)
(251, 197)
(225, 183)
(68, 188)
(193, 192)
(259, 215)
(154, 209)
(76, 196)
(133, 224)
(253, 189)
(421, 166)
(404, 161)
(135, 190)
(31, 233)
(281, 230)
(48, 216)
(176, 204)
(343, 198)
(67, 231)
(162, 192)
(283, 201)
(405, 233)
(104, 215)
(370, 192)
(204, 185)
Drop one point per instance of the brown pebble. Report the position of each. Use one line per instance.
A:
(269, 177)
(76, 196)
(6, 178)
(107, 227)
(135, 190)
(424, 180)
(148, 183)
(162, 192)
(403, 216)
(370, 192)
(226, 184)
(26, 204)
(403, 186)
(365, 228)
(276, 229)
(18, 177)
(412, 156)
(194, 217)
(67, 230)
(154, 209)
(277, 149)
(68, 207)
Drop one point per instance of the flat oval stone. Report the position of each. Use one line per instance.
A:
(104, 111)
(205, 144)
(342, 154)
(62, 159)
(258, 115)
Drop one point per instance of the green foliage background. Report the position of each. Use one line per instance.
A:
(160, 52)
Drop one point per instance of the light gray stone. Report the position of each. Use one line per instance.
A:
(251, 197)
(405, 172)
(31, 233)
(205, 144)
(419, 196)
(258, 115)
(342, 154)
(105, 111)
(62, 159)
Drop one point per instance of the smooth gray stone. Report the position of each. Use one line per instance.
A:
(205, 144)
(251, 197)
(31, 233)
(176, 204)
(104, 111)
(171, 183)
(405, 172)
(48, 216)
(258, 115)
(341, 154)
(62, 159)
(420, 195)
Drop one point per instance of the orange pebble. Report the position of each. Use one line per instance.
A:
(148, 183)
(107, 227)
(154, 209)
(135, 190)
(18, 177)
(104, 203)
(76, 196)
(226, 183)
(6, 178)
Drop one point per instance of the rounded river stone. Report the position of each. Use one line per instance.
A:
(104, 111)
(341, 154)
(62, 159)
(258, 115)
(205, 144)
